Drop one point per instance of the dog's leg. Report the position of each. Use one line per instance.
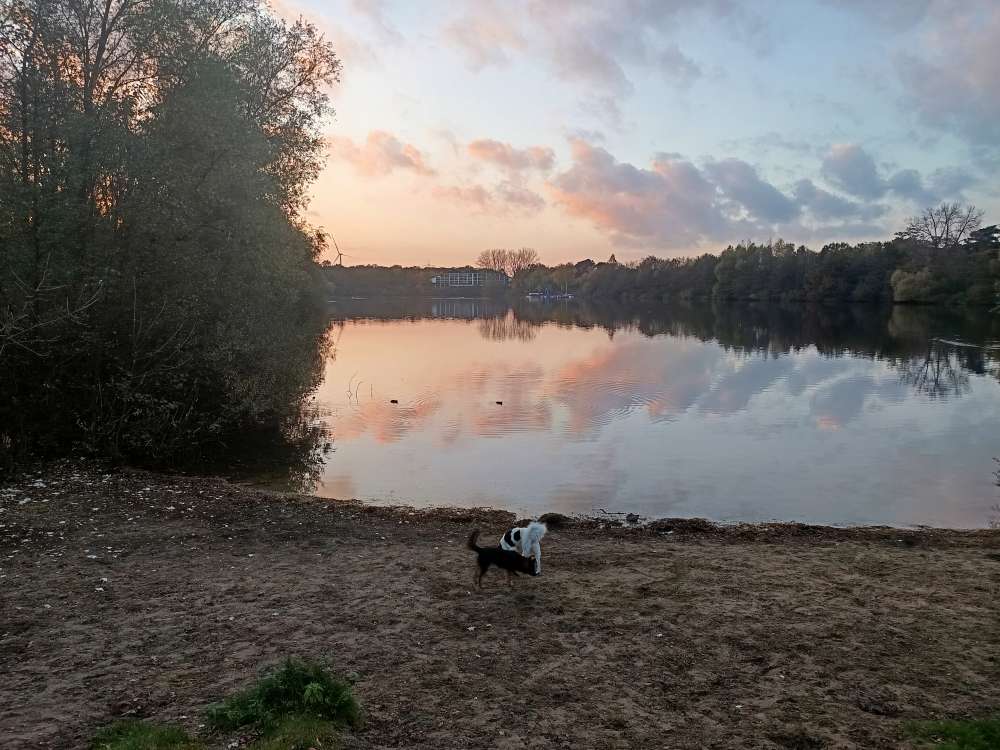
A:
(536, 550)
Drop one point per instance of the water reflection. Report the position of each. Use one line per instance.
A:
(508, 326)
(941, 372)
(819, 414)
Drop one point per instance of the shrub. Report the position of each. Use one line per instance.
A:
(297, 688)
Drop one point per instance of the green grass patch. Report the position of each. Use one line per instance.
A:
(141, 735)
(300, 733)
(959, 734)
(297, 688)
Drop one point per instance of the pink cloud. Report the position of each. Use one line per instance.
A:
(507, 197)
(520, 197)
(379, 155)
(506, 156)
(671, 205)
(474, 195)
(674, 203)
(485, 34)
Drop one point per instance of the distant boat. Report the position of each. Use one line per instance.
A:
(542, 296)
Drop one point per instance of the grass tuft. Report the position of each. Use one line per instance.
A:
(297, 688)
(140, 735)
(300, 733)
(961, 734)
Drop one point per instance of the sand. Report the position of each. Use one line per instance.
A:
(131, 594)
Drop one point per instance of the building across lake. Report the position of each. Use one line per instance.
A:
(470, 277)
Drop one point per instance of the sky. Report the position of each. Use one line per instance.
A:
(583, 128)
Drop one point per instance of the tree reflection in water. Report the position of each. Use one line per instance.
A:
(508, 327)
(904, 337)
(938, 374)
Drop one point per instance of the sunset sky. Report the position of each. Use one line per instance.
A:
(666, 127)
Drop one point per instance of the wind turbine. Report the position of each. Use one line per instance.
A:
(340, 256)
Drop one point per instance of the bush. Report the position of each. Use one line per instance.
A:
(298, 688)
(914, 286)
(962, 734)
(140, 735)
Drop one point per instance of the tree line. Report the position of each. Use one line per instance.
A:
(380, 282)
(943, 256)
(158, 283)
(402, 281)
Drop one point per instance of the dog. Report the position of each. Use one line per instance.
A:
(525, 541)
(512, 562)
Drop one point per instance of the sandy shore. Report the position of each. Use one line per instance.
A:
(133, 594)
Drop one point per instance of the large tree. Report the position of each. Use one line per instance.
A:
(942, 227)
(493, 260)
(510, 262)
(154, 161)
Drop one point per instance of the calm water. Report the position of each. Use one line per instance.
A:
(838, 416)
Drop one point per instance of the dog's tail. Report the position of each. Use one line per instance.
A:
(531, 536)
(472, 540)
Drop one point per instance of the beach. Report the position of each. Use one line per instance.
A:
(125, 593)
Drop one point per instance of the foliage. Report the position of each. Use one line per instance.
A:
(157, 279)
(141, 735)
(297, 688)
(961, 734)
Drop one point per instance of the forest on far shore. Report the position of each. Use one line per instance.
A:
(943, 256)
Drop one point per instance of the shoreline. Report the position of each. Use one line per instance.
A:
(607, 519)
(132, 594)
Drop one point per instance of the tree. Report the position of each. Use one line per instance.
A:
(520, 260)
(154, 256)
(493, 260)
(944, 227)
(510, 262)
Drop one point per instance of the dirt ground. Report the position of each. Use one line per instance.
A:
(131, 594)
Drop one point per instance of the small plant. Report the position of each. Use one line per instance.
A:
(961, 734)
(298, 688)
(141, 735)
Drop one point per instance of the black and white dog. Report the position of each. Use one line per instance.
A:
(524, 540)
(504, 559)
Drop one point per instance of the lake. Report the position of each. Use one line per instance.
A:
(735, 413)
